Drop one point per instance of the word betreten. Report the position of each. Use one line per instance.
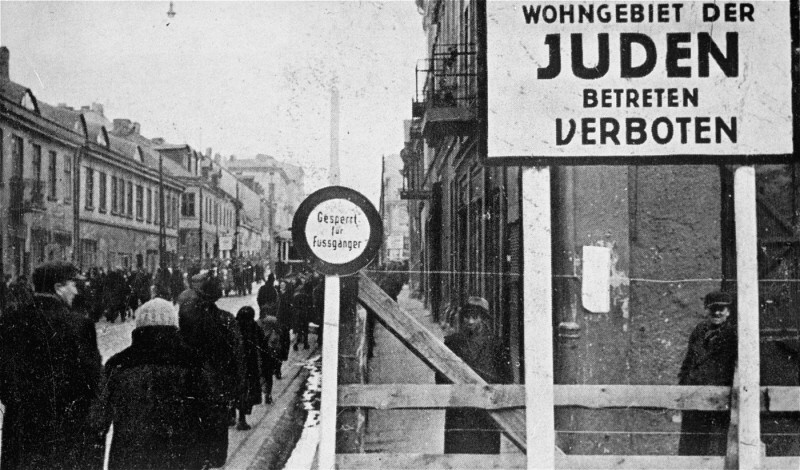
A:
(637, 131)
(644, 98)
(350, 245)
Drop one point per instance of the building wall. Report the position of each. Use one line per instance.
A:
(45, 233)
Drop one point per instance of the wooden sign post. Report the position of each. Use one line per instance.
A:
(338, 232)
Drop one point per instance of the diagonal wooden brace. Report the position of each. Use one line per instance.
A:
(434, 353)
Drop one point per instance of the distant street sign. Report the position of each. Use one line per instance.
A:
(226, 243)
(337, 230)
(581, 82)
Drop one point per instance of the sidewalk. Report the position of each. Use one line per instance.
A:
(403, 431)
(268, 420)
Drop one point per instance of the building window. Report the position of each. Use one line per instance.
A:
(17, 155)
(121, 208)
(89, 189)
(37, 162)
(101, 201)
(2, 158)
(187, 205)
(67, 179)
(149, 205)
(139, 202)
(130, 199)
(114, 199)
(175, 211)
(52, 176)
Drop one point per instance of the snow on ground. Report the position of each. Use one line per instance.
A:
(305, 451)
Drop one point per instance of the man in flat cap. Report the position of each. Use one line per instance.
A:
(49, 375)
(710, 360)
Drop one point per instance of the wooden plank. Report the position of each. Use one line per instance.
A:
(433, 352)
(428, 461)
(781, 399)
(576, 462)
(537, 286)
(639, 462)
(330, 374)
(732, 447)
(404, 396)
(744, 191)
(674, 397)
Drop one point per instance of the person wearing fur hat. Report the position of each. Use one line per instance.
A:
(710, 360)
(157, 396)
(470, 430)
(49, 375)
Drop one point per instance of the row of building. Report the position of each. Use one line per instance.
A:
(77, 186)
(669, 230)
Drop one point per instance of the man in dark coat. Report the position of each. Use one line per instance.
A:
(176, 283)
(710, 360)
(49, 375)
(303, 310)
(214, 336)
(157, 396)
(472, 430)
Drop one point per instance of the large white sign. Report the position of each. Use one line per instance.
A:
(337, 231)
(638, 79)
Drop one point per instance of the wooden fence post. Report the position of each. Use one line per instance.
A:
(747, 314)
(330, 377)
(538, 317)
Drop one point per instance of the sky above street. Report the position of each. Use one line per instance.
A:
(240, 77)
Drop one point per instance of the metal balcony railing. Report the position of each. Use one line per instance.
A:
(448, 78)
(26, 195)
(413, 176)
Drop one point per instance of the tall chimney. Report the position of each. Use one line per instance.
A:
(333, 171)
(4, 56)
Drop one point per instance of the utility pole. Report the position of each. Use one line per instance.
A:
(162, 230)
(381, 253)
(235, 250)
(77, 252)
(200, 225)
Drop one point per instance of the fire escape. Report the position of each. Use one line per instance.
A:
(445, 106)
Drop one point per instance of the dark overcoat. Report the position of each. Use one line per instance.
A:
(214, 336)
(49, 376)
(472, 430)
(157, 395)
(710, 360)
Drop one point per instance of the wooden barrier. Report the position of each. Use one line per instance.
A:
(506, 404)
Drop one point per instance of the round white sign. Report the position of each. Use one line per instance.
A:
(337, 231)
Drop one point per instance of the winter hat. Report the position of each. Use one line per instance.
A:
(717, 298)
(157, 312)
(478, 302)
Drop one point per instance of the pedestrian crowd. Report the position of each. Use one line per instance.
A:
(170, 397)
